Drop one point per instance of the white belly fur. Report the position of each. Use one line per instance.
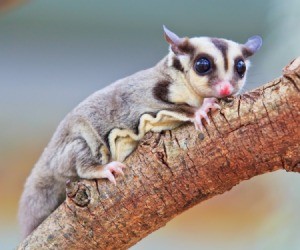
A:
(123, 141)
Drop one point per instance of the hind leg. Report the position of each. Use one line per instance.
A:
(103, 171)
(89, 166)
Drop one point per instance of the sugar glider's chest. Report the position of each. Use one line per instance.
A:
(123, 141)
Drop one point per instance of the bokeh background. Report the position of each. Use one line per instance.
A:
(55, 53)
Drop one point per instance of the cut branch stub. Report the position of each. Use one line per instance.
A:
(172, 171)
(78, 193)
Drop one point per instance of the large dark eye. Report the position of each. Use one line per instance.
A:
(203, 66)
(240, 67)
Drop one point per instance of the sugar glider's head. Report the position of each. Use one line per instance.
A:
(212, 67)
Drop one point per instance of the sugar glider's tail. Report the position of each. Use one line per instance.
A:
(41, 196)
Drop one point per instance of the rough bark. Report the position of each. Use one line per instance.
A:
(172, 171)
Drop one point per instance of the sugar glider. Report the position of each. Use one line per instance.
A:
(96, 136)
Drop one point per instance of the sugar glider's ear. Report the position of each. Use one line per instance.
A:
(174, 40)
(252, 45)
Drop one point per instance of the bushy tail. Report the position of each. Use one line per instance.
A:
(40, 198)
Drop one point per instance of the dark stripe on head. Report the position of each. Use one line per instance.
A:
(246, 52)
(186, 47)
(223, 47)
(161, 90)
(177, 64)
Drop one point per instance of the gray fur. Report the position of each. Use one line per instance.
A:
(68, 151)
(81, 144)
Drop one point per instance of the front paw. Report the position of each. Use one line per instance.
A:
(207, 105)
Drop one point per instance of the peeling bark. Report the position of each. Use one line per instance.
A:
(172, 171)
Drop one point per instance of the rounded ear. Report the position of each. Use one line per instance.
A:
(253, 44)
(174, 40)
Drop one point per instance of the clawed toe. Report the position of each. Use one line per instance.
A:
(116, 167)
(208, 104)
(113, 168)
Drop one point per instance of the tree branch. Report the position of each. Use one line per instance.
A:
(172, 171)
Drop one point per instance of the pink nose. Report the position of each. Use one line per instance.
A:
(225, 91)
(225, 88)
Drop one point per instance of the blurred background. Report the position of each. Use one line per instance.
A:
(55, 53)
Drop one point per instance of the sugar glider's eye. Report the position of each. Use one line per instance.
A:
(240, 67)
(202, 66)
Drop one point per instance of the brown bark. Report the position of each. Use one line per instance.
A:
(172, 171)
